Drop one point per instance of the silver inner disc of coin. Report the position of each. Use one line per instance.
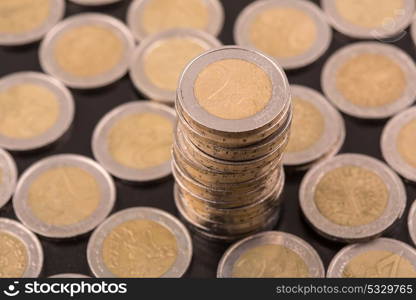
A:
(333, 135)
(102, 131)
(50, 65)
(389, 146)
(8, 177)
(280, 90)
(391, 26)
(412, 222)
(65, 116)
(137, 71)
(94, 3)
(137, 7)
(309, 255)
(57, 11)
(393, 211)
(30, 241)
(342, 56)
(323, 34)
(342, 258)
(183, 239)
(27, 216)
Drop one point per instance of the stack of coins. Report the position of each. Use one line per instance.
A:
(234, 114)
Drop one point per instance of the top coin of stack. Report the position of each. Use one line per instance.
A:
(234, 116)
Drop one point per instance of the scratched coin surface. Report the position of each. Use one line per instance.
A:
(8, 177)
(411, 221)
(271, 254)
(133, 141)
(63, 196)
(381, 258)
(21, 253)
(140, 242)
(398, 143)
(352, 197)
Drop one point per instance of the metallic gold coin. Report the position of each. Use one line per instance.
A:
(398, 143)
(148, 17)
(8, 177)
(370, 80)
(381, 258)
(87, 51)
(352, 197)
(140, 242)
(20, 250)
(94, 2)
(133, 141)
(64, 196)
(369, 19)
(412, 222)
(27, 21)
(271, 254)
(294, 32)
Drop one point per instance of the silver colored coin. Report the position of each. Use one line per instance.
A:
(137, 7)
(393, 211)
(342, 56)
(56, 13)
(342, 258)
(30, 241)
(69, 275)
(331, 139)
(391, 27)
(165, 219)
(309, 255)
(29, 219)
(319, 47)
(51, 66)
(389, 144)
(94, 2)
(65, 117)
(100, 141)
(412, 222)
(8, 172)
(190, 105)
(137, 68)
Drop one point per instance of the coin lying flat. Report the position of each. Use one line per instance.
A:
(26, 21)
(352, 197)
(133, 141)
(370, 80)
(160, 59)
(85, 51)
(8, 177)
(36, 110)
(50, 194)
(412, 222)
(20, 250)
(271, 254)
(148, 17)
(317, 131)
(381, 258)
(369, 19)
(398, 143)
(140, 242)
(293, 32)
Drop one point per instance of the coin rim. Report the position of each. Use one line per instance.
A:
(412, 222)
(9, 172)
(94, 3)
(69, 275)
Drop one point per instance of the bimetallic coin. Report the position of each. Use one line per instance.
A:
(69, 275)
(94, 2)
(352, 197)
(36, 110)
(133, 141)
(64, 196)
(21, 249)
(381, 258)
(140, 242)
(398, 143)
(370, 80)
(271, 254)
(8, 177)
(369, 19)
(299, 37)
(318, 130)
(159, 60)
(412, 222)
(148, 17)
(86, 51)
(27, 21)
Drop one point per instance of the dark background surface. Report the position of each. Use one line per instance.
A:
(69, 256)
